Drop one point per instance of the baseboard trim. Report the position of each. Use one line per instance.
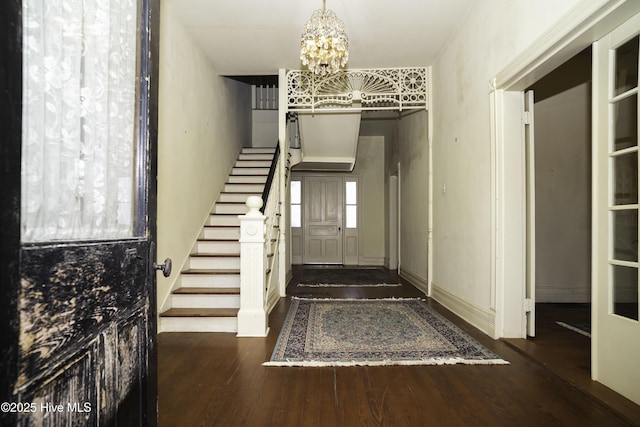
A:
(483, 319)
(377, 261)
(289, 276)
(551, 293)
(415, 280)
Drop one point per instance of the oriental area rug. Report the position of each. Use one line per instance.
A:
(373, 332)
(345, 277)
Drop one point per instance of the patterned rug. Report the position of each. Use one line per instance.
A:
(345, 277)
(581, 328)
(373, 333)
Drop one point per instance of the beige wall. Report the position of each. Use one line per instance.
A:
(204, 120)
(377, 124)
(264, 128)
(413, 147)
(370, 171)
(492, 35)
(563, 196)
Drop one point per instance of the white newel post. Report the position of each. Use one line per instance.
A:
(252, 316)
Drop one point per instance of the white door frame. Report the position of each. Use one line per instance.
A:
(393, 222)
(585, 23)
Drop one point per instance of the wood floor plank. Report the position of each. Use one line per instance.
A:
(217, 379)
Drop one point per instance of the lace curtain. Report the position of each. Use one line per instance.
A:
(79, 111)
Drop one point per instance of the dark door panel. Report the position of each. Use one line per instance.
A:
(78, 319)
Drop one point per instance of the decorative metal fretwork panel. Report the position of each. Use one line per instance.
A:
(374, 89)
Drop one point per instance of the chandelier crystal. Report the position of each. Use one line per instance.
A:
(324, 47)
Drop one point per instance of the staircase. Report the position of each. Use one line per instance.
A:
(208, 298)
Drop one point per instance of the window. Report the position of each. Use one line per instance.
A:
(296, 203)
(351, 203)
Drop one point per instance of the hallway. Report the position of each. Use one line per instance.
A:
(217, 379)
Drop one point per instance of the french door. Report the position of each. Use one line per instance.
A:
(616, 327)
(79, 126)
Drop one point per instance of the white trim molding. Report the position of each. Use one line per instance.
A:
(415, 280)
(358, 90)
(568, 294)
(481, 318)
(583, 24)
(371, 261)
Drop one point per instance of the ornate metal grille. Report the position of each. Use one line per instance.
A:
(373, 89)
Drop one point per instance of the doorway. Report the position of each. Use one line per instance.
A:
(561, 252)
(562, 181)
(322, 224)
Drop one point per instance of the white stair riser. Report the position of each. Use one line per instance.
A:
(217, 247)
(205, 301)
(243, 179)
(250, 171)
(198, 324)
(239, 209)
(253, 164)
(244, 188)
(224, 220)
(221, 233)
(213, 263)
(210, 280)
(252, 150)
(256, 156)
(234, 197)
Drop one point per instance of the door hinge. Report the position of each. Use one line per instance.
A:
(526, 118)
(528, 305)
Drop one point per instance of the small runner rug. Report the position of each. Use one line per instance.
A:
(581, 328)
(345, 277)
(373, 333)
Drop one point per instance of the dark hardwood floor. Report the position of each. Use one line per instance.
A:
(216, 379)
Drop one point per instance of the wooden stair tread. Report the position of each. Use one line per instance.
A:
(207, 291)
(200, 312)
(240, 192)
(215, 255)
(210, 271)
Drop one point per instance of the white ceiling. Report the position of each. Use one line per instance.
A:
(257, 37)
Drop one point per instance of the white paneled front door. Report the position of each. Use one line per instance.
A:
(616, 329)
(323, 201)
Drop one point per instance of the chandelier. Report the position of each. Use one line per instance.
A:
(324, 47)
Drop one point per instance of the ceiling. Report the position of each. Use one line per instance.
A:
(257, 37)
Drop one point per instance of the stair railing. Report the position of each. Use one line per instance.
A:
(259, 236)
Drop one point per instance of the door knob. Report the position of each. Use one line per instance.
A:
(165, 268)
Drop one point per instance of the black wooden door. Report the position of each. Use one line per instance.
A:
(77, 318)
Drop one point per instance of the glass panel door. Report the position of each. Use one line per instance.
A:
(615, 325)
(623, 165)
(80, 61)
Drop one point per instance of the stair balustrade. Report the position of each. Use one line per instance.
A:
(259, 237)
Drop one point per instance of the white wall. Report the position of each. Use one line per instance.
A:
(413, 151)
(375, 124)
(264, 128)
(204, 120)
(492, 34)
(563, 196)
(370, 171)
